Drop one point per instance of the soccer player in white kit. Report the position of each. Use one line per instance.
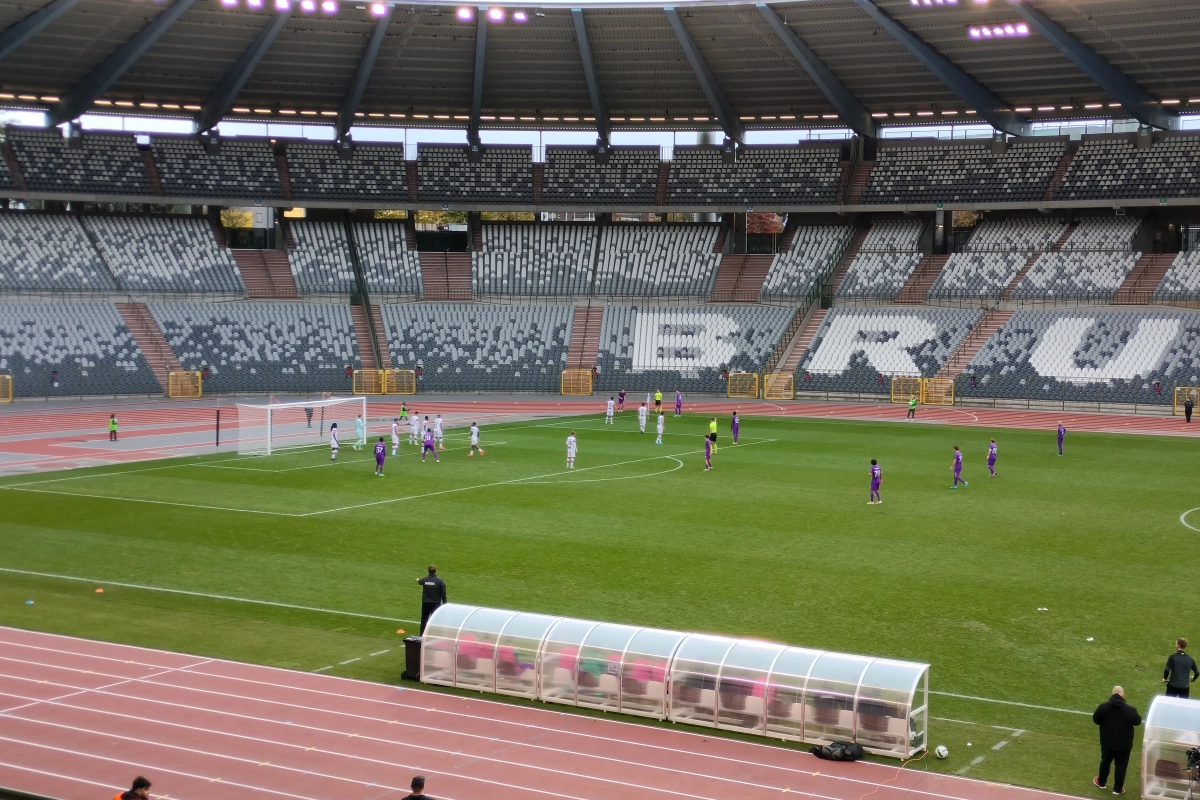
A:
(414, 429)
(437, 432)
(608, 412)
(662, 424)
(571, 448)
(333, 442)
(475, 440)
(642, 418)
(395, 437)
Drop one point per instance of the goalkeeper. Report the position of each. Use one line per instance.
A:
(360, 432)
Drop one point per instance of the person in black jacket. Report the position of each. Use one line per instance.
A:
(433, 594)
(1180, 672)
(1116, 719)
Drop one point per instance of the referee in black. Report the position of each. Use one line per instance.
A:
(433, 594)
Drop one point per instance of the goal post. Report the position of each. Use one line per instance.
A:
(399, 381)
(6, 388)
(264, 429)
(184, 384)
(779, 386)
(743, 385)
(576, 382)
(904, 388)
(368, 381)
(937, 392)
(1182, 395)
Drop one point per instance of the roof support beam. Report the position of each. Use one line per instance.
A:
(590, 75)
(990, 107)
(852, 112)
(81, 96)
(1136, 100)
(21, 32)
(708, 82)
(366, 64)
(231, 85)
(481, 27)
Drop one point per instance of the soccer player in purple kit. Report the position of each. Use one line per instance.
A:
(876, 482)
(734, 424)
(708, 451)
(992, 459)
(957, 467)
(380, 455)
(1062, 432)
(427, 446)
(621, 400)
(678, 403)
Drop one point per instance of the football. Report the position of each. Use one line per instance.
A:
(941, 751)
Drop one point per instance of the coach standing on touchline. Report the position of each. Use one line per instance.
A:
(1116, 719)
(1180, 672)
(433, 594)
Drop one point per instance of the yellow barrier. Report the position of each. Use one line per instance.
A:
(1182, 393)
(779, 386)
(577, 382)
(6, 388)
(743, 385)
(905, 388)
(399, 381)
(184, 384)
(937, 392)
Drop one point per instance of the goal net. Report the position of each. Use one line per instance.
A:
(263, 429)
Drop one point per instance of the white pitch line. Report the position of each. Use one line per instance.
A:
(201, 594)
(1010, 703)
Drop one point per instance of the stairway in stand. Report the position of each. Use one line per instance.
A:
(858, 182)
(921, 280)
(362, 334)
(1059, 173)
(585, 337)
(1020, 276)
(150, 340)
(848, 257)
(800, 343)
(1062, 240)
(660, 190)
(740, 278)
(446, 276)
(1143, 279)
(381, 332)
(967, 349)
(266, 273)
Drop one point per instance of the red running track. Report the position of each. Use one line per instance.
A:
(81, 718)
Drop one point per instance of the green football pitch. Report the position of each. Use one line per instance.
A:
(1031, 594)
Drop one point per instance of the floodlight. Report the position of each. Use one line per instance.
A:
(329, 6)
(520, 16)
(496, 14)
(283, 5)
(378, 9)
(254, 3)
(229, 3)
(308, 6)
(465, 14)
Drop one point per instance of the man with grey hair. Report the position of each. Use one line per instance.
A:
(1116, 719)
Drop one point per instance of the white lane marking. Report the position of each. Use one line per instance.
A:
(120, 682)
(201, 594)
(109, 786)
(349, 661)
(1010, 703)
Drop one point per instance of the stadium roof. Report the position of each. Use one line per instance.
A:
(807, 63)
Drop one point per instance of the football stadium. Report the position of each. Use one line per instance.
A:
(494, 401)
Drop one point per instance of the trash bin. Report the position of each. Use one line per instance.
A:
(412, 658)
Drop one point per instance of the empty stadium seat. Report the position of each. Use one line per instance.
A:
(1113, 167)
(646, 260)
(767, 175)
(942, 171)
(534, 260)
(983, 275)
(321, 258)
(86, 343)
(241, 169)
(572, 176)
(814, 251)
(889, 254)
(48, 252)
(643, 348)
(1182, 281)
(262, 347)
(503, 175)
(388, 266)
(105, 163)
(463, 347)
(1092, 265)
(860, 350)
(317, 172)
(1016, 235)
(165, 254)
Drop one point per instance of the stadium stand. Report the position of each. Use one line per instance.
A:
(262, 347)
(100, 164)
(534, 260)
(321, 259)
(994, 255)
(87, 344)
(1019, 235)
(163, 254)
(1113, 167)
(814, 251)
(860, 350)
(317, 172)
(463, 347)
(51, 253)
(937, 171)
(239, 169)
(887, 258)
(643, 348)
(389, 267)
(1093, 263)
(804, 175)
(572, 175)
(1182, 281)
(1114, 356)
(658, 260)
(504, 175)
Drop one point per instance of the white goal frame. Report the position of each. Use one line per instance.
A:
(263, 429)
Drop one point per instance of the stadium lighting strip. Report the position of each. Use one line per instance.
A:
(1007, 31)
